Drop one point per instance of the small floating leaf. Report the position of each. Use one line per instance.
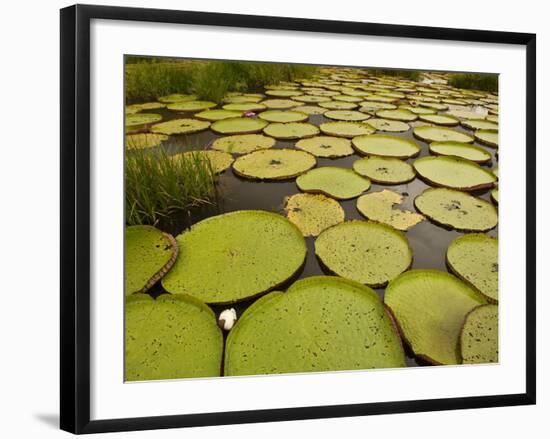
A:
(326, 146)
(274, 164)
(364, 251)
(313, 213)
(386, 146)
(463, 150)
(243, 143)
(180, 126)
(238, 125)
(291, 131)
(385, 170)
(339, 183)
(479, 336)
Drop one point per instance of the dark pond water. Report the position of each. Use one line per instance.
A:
(428, 241)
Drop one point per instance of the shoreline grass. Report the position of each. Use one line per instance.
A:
(475, 81)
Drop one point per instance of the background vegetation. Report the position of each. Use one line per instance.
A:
(413, 75)
(475, 81)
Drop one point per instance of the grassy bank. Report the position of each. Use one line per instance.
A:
(412, 75)
(476, 81)
(147, 80)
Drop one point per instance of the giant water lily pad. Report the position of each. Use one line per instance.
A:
(373, 107)
(238, 125)
(465, 114)
(457, 210)
(142, 141)
(310, 99)
(219, 161)
(339, 183)
(237, 255)
(338, 105)
(479, 124)
(177, 97)
(220, 114)
(326, 146)
(487, 137)
(247, 106)
(280, 104)
(398, 114)
(290, 131)
(313, 213)
(310, 109)
(429, 307)
(394, 126)
(180, 126)
(417, 110)
(170, 337)
(346, 115)
(380, 207)
(479, 335)
(364, 251)
(148, 255)
(474, 258)
(136, 108)
(454, 172)
(283, 116)
(441, 134)
(346, 129)
(440, 119)
(191, 106)
(310, 328)
(462, 150)
(243, 143)
(274, 164)
(386, 146)
(385, 170)
(140, 121)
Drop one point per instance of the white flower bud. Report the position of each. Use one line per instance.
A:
(227, 319)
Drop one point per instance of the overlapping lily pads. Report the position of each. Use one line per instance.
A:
(291, 131)
(283, 116)
(180, 126)
(385, 170)
(144, 140)
(326, 146)
(380, 207)
(310, 329)
(454, 173)
(479, 336)
(386, 146)
(238, 125)
(148, 255)
(346, 129)
(313, 213)
(170, 337)
(430, 307)
(393, 126)
(457, 210)
(273, 164)
(243, 143)
(364, 251)
(335, 182)
(441, 134)
(235, 256)
(474, 258)
(462, 150)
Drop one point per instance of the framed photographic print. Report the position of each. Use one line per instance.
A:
(302, 214)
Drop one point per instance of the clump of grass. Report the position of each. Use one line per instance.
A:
(412, 75)
(476, 81)
(159, 186)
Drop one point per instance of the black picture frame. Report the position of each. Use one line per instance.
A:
(75, 217)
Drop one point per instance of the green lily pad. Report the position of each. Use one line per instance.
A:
(346, 98)
(386, 146)
(487, 137)
(310, 99)
(440, 119)
(346, 115)
(242, 99)
(219, 161)
(180, 126)
(235, 256)
(149, 254)
(291, 131)
(380, 207)
(310, 109)
(454, 173)
(191, 106)
(417, 110)
(338, 105)
(310, 329)
(394, 126)
(441, 134)
(238, 125)
(281, 104)
(214, 115)
(429, 307)
(135, 123)
(177, 97)
(346, 129)
(479, 124)
(364, 251)
(464, 114)
(339, 183)
(142, 141)
(474, 259)
(136, 108)
(457, 210)
(373, 107)
(326, 146)
(462, 150)
(170, 337)
(282, 116)
(433, 105)
(313, 213)
(274, 164)
(247, 106)
(243, 143)
(479, 336)
(380, 98)
(385, 170)
(399, 114)
(494, 195)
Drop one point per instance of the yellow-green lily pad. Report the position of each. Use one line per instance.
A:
(291, 131)
(335, 182)
(283, 116)
(384, 170)
(243, 143)
(180, 126)
(479, 336)
(346, 129)
(313, 213)
(462, 150)
(326, 146)
(273, 164)
(144, 140)
(238, 125)
(386, 146)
